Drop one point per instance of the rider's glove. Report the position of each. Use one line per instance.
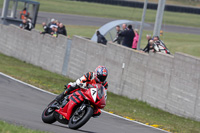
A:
(70, 84)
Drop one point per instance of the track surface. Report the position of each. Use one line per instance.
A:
(98, 21)
(68, 19)
(23, 105)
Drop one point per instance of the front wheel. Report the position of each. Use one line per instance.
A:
(47, 114)
(79, 119)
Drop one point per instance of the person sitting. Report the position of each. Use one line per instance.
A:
(101, 38)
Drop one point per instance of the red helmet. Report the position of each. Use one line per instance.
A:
(102, 73)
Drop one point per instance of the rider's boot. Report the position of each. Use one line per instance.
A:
(60, 97)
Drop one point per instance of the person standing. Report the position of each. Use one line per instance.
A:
(128, 36)
(118, 38)
(124, 27)
(24, 14)
(147, 48)
(135, 39)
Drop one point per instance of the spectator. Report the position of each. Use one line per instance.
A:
(46, 29)
(53, 22)
(24, 14)
(100, 38)
(151, 46)
(62, 30)
(147, 48)
(135, 39)
(128, 36)
(57, 23)
(160, 46)
(124, 27)
(27, 25)
(54, 31)
(118, 38)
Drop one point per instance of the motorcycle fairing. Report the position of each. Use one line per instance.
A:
(74, 99)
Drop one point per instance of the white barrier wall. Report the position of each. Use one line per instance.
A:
(32, 47)
(171, 83)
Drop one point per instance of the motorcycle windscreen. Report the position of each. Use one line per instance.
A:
(101, 102)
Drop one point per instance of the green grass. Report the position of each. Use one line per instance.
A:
(33, 75)
(132, 109)
(11, 128)
(176, 2)
(117, 12)
(81, 30)
(176, 42)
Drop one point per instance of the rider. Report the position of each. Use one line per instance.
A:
(99, 76)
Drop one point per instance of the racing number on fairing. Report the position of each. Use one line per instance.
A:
(94, 91)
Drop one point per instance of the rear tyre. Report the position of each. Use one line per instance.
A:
(77, 121)
(47, 114)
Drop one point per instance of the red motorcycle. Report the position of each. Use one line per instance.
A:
(77, 108)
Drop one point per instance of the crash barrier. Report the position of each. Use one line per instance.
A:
(172, 8)
(32, 47)
(171, 83)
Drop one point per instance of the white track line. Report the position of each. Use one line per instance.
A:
(55, 95)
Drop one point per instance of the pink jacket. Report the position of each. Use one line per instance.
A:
(135, 41)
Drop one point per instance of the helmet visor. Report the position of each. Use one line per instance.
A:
(102, 78)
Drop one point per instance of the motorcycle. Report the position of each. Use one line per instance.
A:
(76, 108)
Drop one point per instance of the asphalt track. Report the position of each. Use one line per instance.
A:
(23, 104)
(69, 19)
(99, 21)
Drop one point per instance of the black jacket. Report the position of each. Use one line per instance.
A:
(147, 48)
(28, 26)
(46, 30)
(62, 31)
(128, 37)
(118, 38)
(101, 39)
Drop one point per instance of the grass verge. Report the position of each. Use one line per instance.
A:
(176, 42)
(10, 128)
(116, 12)
(131, 109)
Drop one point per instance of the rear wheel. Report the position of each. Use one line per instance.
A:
(47, 114)
(79, 119)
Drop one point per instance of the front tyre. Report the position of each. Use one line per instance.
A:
(78, 120)
(47, 114)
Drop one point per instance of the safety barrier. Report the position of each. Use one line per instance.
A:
(171, 83)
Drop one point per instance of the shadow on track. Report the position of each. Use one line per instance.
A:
(66, 126)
